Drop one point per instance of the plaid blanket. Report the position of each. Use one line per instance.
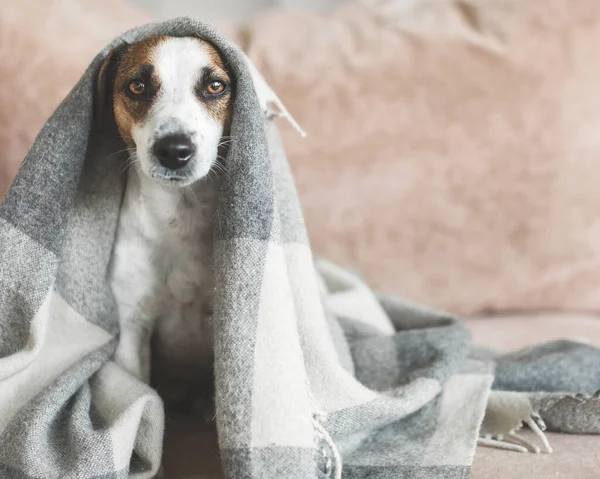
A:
(316, 377)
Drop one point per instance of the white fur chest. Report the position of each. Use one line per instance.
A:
(161, 274)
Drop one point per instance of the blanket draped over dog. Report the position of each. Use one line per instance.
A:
(315, 376)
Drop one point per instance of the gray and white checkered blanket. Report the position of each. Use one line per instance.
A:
(316, 377)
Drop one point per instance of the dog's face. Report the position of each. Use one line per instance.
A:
(172, 101)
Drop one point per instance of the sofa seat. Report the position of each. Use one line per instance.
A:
(574, 457)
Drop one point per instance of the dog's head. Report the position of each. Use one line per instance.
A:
(172, 100)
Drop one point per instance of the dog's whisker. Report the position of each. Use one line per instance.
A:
(130, 150)
(216, 171)
(221, 165)
(220, 170)
(123, 169)
(191, 191)
(127, 164)
(212, 177)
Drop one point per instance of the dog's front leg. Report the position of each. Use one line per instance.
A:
(133, 350)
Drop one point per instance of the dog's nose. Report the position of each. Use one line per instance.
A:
(174, 151)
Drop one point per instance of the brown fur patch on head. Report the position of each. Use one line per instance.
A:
(220, 108)
(136, 62)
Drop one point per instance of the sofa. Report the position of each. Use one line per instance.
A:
(464, 172)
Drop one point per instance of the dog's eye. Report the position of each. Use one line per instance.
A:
(215, 87)
(136, 87)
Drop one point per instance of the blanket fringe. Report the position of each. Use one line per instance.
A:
(282, 112)
(507, 412)
(505, 415)
(267, 97)
(333, 469)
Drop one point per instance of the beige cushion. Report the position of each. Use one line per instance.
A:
(453, 149)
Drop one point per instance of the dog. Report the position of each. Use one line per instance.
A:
(172, 100)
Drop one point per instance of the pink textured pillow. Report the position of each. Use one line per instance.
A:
(454, 147)
(45, 45)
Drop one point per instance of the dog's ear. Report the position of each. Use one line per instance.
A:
(105, 80)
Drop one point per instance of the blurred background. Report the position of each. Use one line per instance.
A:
(453, 149)
(235, 12)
